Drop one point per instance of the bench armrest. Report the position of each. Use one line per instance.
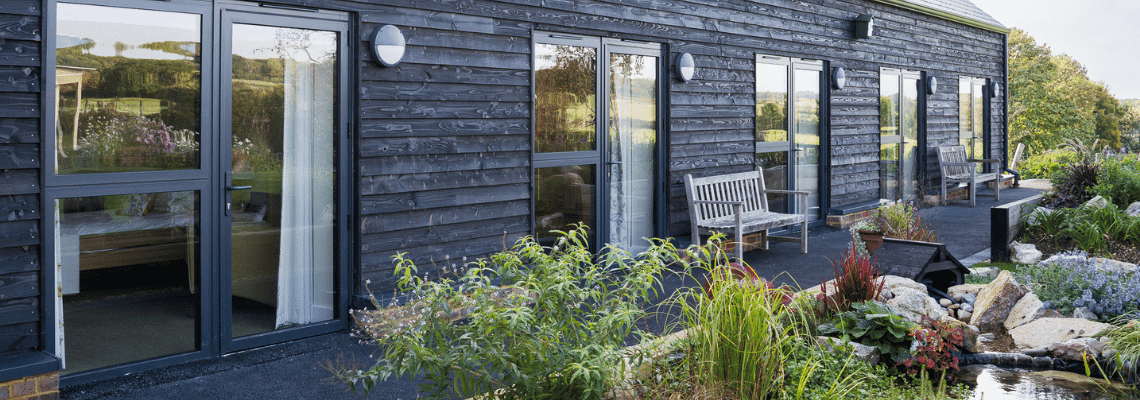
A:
(957, 164)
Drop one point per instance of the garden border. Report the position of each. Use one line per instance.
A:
(1004, 226)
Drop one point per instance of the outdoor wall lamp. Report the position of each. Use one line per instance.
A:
(864, 26)
(388, 45)
(686, 68)
(991, 88)
(838, 78)
(931, 85)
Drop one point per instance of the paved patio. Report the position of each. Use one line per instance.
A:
(294, 370)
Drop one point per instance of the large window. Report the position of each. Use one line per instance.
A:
(972, 116)
(788, 95)
(129, 89)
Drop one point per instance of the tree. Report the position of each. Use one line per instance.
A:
(1053, 99)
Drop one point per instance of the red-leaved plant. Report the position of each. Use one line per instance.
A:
(935, 344)
(856, 279)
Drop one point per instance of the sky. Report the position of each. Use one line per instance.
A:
(1103, 35)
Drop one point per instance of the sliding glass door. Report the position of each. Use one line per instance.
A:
(899, 124)
(788, 95)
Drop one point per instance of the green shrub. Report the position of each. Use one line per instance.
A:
(1071, 186)
(556, 334)
(1119, 180)
(1046, 165)
(900, 220)
(874, 324)
(1125, 340)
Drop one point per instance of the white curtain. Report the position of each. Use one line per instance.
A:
(305, 276)
(633, 137)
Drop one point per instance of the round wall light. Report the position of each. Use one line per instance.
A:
(838, 78)
(388, 45)
(992, 88)
(931, 85)
(686, 68)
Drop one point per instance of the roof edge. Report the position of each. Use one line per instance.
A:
(945, 15)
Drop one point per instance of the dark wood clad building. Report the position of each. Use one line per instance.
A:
(184, 179)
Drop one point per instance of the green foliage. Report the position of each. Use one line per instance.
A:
(742, 335)
(554, 333)
(900, 220)
(874, 324)
(1119, 180)
(1125, 339)
(1046, 165)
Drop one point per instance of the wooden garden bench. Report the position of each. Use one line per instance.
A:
(738, 203)
(956, 168)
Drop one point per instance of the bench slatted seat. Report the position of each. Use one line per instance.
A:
(956, 168)
(738, 203)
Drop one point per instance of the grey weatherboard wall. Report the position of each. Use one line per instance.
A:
(20, 239)
(443, 140)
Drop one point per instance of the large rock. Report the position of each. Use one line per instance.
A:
(984, 272)
(1113, 266)
(1084, 313)
(1098, 202)
(1077, 349)
(995, 301)
(958, 292)
(1028, 309)
(1024, 253)
(1133, 209)
(867, 354)
(913, 304)
(892, 282)
(969, 335)
(1046, 331)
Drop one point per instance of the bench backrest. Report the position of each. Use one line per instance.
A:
(746, 187)
(953, 154)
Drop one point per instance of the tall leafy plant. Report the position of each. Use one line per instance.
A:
(856, 280)
(555, 334)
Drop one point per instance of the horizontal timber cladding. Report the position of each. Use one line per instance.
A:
(20, 168)
(445, 137)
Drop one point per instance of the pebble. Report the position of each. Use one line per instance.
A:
(967, 307)
(986, 337)
(969, 298)
(945, 302)
(964, 315)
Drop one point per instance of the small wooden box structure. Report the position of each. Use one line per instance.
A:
(925, 262)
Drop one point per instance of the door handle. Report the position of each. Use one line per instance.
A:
(232, 188)
(612, 163)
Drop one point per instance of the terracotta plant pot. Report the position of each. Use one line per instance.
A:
(872, 239)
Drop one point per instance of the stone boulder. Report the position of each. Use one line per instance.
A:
(1024, 253)
(969, 334)
(1028, 309)
(913, 304)
(1113, 266)
(1084, 313)
(1037, 213)
(867, 354)
(892, 282)
(1046, 331)
(985, 272)
(959, 292)
(995, 301)
(1077, 349)
(1098, 202)
(1133, 209)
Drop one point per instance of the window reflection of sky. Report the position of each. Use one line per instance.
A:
(132, 27)
(261, 42)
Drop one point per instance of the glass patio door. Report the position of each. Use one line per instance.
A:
(596, 132)
(280, 93)
(788, 95)
(899, 126)
(632, 154)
